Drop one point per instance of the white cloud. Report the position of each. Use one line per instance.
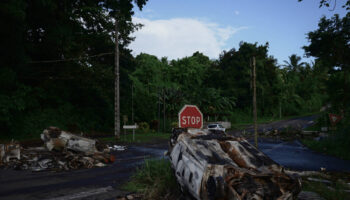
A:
(180, 37)
(236, 12)
(146, 13)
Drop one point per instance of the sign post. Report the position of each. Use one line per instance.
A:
(133, 127)
(190, 117)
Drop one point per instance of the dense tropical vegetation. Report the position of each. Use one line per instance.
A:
(56, 68)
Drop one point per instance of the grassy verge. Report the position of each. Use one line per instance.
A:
(337, 144)
(139, 137)
(314, 127)
(247, 121)
(333, 191)
(332, 146)
(155, 180)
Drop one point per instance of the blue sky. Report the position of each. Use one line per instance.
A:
(177, 28)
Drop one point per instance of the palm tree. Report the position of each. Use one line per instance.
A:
(294, 63)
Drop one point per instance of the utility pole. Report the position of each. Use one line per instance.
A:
(254, 103)
(159, 97)
(280, 109)
(164, 110)
(116, 84)
(132, 103)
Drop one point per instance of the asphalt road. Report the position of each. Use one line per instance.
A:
(104, 183)
(294, 155)
(96, 183)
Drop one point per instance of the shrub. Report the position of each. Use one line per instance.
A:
(144, 127)
(174, 124)
(154, 125)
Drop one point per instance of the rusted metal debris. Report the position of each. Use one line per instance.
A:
(9, 151)
(54, 138)
(61, 151)
(213, 165)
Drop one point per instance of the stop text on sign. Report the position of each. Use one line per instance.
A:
(190, 117)
(190, 120)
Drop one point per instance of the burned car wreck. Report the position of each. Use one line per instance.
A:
(214, 165)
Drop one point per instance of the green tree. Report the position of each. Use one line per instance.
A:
(294, 63)
(327, 3)
(149, 82)
(56, 63)
(233, 77)
(330, 45)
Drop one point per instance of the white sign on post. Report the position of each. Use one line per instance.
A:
(130, 126)
(133, 127)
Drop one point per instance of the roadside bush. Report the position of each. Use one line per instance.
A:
(174, 124)
(241, 116)
(154, 125)
(338, 144)
(337, 190)
(144, 127)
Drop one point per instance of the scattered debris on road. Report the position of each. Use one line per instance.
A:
(319, 180)
(9, 151)
(307, 195)
(130, 197)
(213, 165)
(117, 148)
(61, 151)
(56, 139)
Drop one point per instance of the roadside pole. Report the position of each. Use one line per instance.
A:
(116, 84)
(254, 103)
(163, 111)
(159, 97)
(132, 103)
(280, 109)
(133, 127)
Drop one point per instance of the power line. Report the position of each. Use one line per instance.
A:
(71, 59)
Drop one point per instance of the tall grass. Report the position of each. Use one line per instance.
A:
(155, 180)
(334, 192)
(241, 118)
(337, 144)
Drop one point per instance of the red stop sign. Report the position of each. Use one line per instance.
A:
(190, 117)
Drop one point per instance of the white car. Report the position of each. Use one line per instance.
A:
(216, 127)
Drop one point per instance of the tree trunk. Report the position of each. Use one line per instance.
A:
(254, 104)
(116, 84)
